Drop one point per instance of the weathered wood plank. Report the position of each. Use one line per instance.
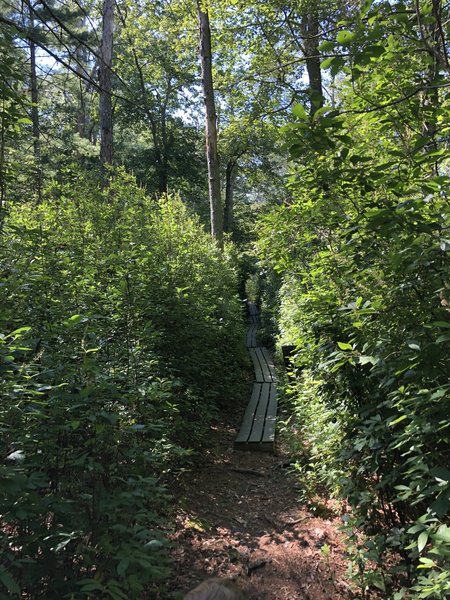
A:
(271, 416)
(257, 432)
(251, 336)
(270, 364)
(247, 421)
(256, 365)
(262, 359)
(253, 309)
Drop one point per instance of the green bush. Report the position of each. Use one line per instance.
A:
(122, 338)
(363, 255)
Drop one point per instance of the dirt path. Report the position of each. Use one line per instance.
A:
(239, 517)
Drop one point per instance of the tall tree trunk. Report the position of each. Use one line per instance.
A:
(434, 43)
(35, 114)
(3, 128)
(309, 27)
(164, 166)
(230, 176)
(212, 157)
(105, 81)
(82, 114)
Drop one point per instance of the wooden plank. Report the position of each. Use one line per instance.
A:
(253, 309)
(251, 336)
(247, 421)
(260, 415)
(256, 364)
(257, 430)
(266, 374)
(265, 371)
(248, 337)
(254, 337)
(269, 361)
(271, 416)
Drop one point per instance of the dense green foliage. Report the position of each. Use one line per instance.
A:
(363, 252)
(117, 314)
(120, 330)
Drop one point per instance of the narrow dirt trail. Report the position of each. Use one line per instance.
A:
(239, 517)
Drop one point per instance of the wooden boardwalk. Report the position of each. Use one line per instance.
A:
(257, 431)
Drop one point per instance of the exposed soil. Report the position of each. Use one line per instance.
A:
(239, 517)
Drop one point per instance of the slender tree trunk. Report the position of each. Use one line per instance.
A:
(230, 176)
(309, 28)
(432, 40)
(35, 116)
(212, 156)
(105, 80)
(82, 114)
(2, 165)
(164, 166)
(161, 167)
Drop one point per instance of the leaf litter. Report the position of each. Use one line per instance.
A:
(239, 517)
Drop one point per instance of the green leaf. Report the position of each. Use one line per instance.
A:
(76, 319)
(338, 64)
(443, 338)
(325, 64)
(326, 46)
(154, 544)
(345, 37)
(440, 324)
(10, 584)
(426, 563)
(18, 332)
(443, 534)
(345, 346)
(299, 111)
(415, 528)
(122, 567)
(365, 360)
(414, 346)
(89, 585)
(399, 420)
(422, 541)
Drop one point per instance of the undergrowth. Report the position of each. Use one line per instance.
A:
(117, 315)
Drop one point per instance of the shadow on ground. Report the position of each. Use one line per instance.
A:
(239, 517)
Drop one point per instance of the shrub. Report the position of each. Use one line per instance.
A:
(118, 315)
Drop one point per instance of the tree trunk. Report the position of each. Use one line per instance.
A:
(105, 81)
(35, 116)
(309, 28)
(212, 156)
(164, 166)
(229, 196)
(3, 129)
(82, 113)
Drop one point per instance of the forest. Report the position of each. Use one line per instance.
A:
(160, 163)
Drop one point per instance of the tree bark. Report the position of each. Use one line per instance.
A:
(35, 115)
(230, 176)
(83, 121)
(309, 28)
(212, 156)
(105, 80)
(3, 128)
